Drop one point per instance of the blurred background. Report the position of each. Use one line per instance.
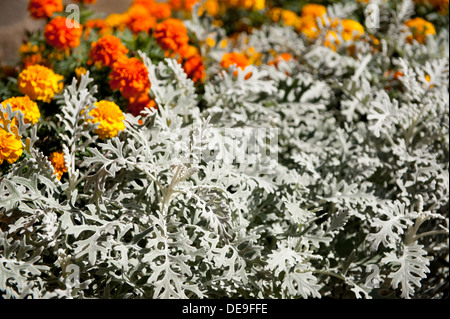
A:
(15, 20)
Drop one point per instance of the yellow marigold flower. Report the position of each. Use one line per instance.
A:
(40, 83)
(212, 7)
(116, 21)
(63, 33)
(420, 29)
(107, 50)
(79, 71)
(255, 5)
(428, 79)
(253, 56)
(10, 147)
(308, 26)
(58, 55)
(288, 17)
(223, 44)
(210, 42)
(247, 4)
(275, 14)
(352, 29)
(28, 107)
(43, 9)
(110, 117)
(331, 40)
(28, 48)
(58, 163)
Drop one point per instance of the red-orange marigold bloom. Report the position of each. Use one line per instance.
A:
(161, 11)
(63, 33)
(139, 19)
(43, 9)
(137, 104)
(156, 9)
(130, 76)
(194, 68)
(107, 50)
(182, 4)
(171, 34)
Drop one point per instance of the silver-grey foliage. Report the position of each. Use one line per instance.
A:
(358, 186)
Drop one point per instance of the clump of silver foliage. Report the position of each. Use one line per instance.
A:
(354, 204)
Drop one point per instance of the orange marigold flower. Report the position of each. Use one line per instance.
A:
(63, 33)
(32, 54)
(130, 76)
(194, 68)
(156, 9)
(28, 107)
(441, 5)
(420, 29)
(289, 17)
(247, 4)
(95, 24)
(331, 40)
(182, 4)
(234, 58)
(279, 58)
(58, 163)
(39, 83)
(107, 50)
(116, 20)
(313, 10)
(189, 52)
(171, 34)
(43, 9)
(110, 117)
(137, 104)
(10, 147)
(161, 11)
(34, 59)
(139, 19)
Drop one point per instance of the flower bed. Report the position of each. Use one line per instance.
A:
(227, 149)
